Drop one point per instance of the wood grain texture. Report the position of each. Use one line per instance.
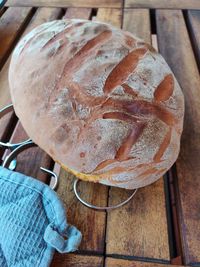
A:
(11, 23)
(174, 44)
(137, 21)
(165, 4)
(194, 29)
(72, 260)
(108, 15)
(90, 222)
(30, 160)
(74, 13)
(67, 3)
(139, 229)
(110, 262)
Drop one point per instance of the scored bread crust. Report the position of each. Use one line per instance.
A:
(100, 101)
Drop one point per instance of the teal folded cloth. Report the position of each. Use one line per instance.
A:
(32, 222)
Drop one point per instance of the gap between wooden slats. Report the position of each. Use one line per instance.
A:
(175, 46)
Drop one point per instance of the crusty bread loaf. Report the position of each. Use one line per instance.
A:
(100, 101)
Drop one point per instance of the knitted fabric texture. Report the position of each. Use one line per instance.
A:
(32, 222)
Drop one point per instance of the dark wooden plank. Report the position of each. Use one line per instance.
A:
(42, 15)
(110, 262)
(139, 229)
(67, 3)
(194, 28)
(165, 4)
(72, 260)
(90, 222)
(12, 22)
(174, 44)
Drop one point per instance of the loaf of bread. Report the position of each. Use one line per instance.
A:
(100, 101)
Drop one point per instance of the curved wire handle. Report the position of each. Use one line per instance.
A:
(21, 148)
(12, 146)
(98, 207)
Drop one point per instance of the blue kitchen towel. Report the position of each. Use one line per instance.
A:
(32, 222)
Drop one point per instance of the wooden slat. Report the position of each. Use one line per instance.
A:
(72, 260)
(139, 229)
(11, 23)
(194, 28)
(30, 161)
(174, 44)
(42, 15)
(67, 3)
(108, 15)
(90, 222)
(74, 13)
(165, 4)
(137, 21)
(110, 262)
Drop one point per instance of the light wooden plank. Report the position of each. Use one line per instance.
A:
(174, 44)
(194, 28)
(110, 262)
(11, 23)
(137, 21)
(72, 260)
(67, 3)
(108, 15)
(90, 222)
(139, 229)
(165, 4)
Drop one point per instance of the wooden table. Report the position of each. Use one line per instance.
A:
(161, 226)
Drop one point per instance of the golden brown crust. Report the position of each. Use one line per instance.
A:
(99, 100)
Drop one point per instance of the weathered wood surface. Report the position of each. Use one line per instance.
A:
(165, 4)
(67, 3)
(72, 260)
(11, 23)
(74, 13)
(137, 21)
(110, 262)
(108, 15)
(194, 29)
(139, 229)
(175, 46)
